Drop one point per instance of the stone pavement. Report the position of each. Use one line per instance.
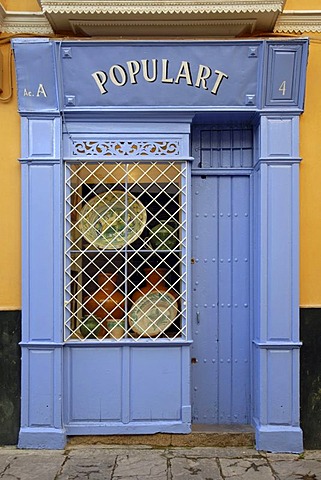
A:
(142, 463)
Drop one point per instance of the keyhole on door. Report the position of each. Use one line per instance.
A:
(194, 360)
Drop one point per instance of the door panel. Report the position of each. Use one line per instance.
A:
(220, 299)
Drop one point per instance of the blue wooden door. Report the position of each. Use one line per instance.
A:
(220, 360)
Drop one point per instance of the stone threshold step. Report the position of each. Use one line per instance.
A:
(201, 436)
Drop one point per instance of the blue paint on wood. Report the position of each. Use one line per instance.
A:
(156, 386)
(230, 309)
(126, 389)
(134, 75)
(284, 85)
(42, 367)
(276, 309)
(220, 299)
(37, 89)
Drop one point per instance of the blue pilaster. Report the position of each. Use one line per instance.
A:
(41, 416)
(275, 291)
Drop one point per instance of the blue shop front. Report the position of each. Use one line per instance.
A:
(160, 237)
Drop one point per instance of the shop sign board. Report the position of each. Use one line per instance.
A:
(54, 75)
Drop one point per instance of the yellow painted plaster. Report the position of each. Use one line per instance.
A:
(22, 5)
(10, 212)
(303, 5)
(310, 181)
(310, 188)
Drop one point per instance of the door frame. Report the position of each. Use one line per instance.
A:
(275, 118)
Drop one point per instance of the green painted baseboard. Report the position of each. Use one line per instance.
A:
(311, 377)
(10, 371)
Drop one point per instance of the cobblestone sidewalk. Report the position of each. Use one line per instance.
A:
(142, 463)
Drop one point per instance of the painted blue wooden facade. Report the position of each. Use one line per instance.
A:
(232, 110)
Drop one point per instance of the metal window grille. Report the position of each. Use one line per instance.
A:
(217, 147)
(125, 250)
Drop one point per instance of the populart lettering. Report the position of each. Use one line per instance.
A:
(153, 70)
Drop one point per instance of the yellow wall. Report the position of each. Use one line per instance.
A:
(10, 211)
(310, 179)
(303, 5)
(310, 171)
(310, 182)
(10, 257)
(22, 5)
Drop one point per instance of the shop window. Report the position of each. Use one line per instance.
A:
(125, 250)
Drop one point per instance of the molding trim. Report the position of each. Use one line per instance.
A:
(2, 14)
(160, 7)
(153, 23)
(299, 21)
(225, 27)
(128, 148)
(25, 22)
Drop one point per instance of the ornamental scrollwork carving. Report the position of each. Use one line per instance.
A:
(298, 22)
(120, 148)
(158, 7)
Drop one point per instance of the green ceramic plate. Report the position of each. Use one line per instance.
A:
(112, 219)
(163, 236)
(153, 313)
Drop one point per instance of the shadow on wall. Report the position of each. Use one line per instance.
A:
(10, 370)
(311, 377)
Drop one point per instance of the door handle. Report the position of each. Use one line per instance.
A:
(198, 317)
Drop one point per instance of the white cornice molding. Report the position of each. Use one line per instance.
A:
(25, 22)
(227, 27)
(160, 6)
(2, 15)
(124, 23)
(299, 21)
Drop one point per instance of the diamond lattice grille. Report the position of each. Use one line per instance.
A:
(125, 251)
